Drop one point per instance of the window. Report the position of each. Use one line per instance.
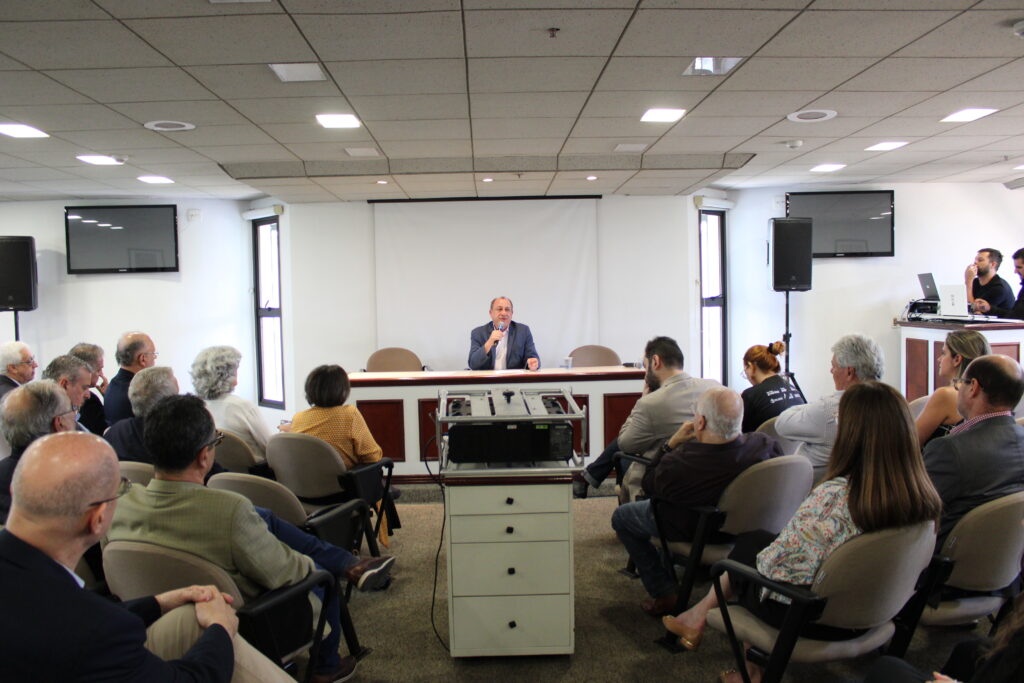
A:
(713, 328)
(269, 336)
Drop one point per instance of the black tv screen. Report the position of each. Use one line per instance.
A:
(122, 239)
(846, 223)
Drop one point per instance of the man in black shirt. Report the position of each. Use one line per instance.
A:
(983, 282)
(1017, 310)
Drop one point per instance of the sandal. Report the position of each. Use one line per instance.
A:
(723, 677)
(688, 638)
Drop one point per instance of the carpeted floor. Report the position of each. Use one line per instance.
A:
(614, 638)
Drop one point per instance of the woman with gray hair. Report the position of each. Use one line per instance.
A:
(214, 376)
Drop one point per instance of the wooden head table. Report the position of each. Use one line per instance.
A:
(397, 405)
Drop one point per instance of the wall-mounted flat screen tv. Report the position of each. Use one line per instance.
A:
(122, 239)
(846, 223)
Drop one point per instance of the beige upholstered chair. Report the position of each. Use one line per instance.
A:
(917, 406)
(768, 427)
(863, 584)
(393, 359)
(234, 454)
(986, 547)
(264, 493)
(593, 355)
(763, 496)
(137, 472)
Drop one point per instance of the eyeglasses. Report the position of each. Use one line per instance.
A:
(31, 361)
(122, 488)
(155, 354)
(218, 436)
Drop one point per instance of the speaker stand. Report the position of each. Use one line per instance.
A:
(787, 338)
(17, 336)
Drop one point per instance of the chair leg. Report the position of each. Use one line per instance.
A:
(348, 629)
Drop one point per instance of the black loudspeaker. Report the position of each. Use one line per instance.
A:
(791, 254)
(18, 274)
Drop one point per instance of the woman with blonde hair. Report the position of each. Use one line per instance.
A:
(940, 412)
(875, 480)
(771, 393)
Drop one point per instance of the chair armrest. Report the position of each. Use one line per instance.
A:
(341, 525)
(284, 594)
(798, 594)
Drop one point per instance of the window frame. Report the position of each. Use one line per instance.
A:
(260, 312)
(722, 300)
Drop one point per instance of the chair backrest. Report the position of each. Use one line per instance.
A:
(308, 466)
(1020, 421)
(765, 495)
(136, 570)
(869, 579)
(393, 359)
(593, 355)
(263, 492)
(986, 545)
(917, 406)
(234, 454)
(768, 427)
(137, 472)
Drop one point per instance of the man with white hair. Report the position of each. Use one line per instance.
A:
(148, 387)
(18, 366)
(855, 358)
(135, 352)
(691, 469)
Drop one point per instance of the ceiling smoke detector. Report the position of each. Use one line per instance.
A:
(794, 144)
(811, 115)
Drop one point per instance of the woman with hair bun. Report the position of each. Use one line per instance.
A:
(771, 394)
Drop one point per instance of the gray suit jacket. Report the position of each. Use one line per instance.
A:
(659, 414)
(975, 466)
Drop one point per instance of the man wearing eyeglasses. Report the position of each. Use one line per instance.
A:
(19, 366)
(66, 489)
(135, 352)
(982, 458)
(28, 413)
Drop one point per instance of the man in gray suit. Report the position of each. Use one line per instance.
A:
(669, 399)
(983, 458)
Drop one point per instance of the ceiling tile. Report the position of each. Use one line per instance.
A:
(726, 33)
(837, 127)
(114, 140)
(546, 104)
(76, 45)
(315, 133)
(581, 145)
(28, 10)
(405, 107)
(367, 6)
(517, 147)
(238, 39)
(913, 73)
(697, 145)
(133, 85)
(319, 151)
(892, 4)
(522, 128)
(424, 149)
(605, 127)
(133, 9)
(163, 155)
(244, 134)
(400, 76)
(904, 125)
(62, 117)
(946, 103)
(291, 109)
(242, 153)
(634, 104)
(534, 74)
(1006, 77)
(419, 130)
(524, 33)
(952, 143)
(796, 73)
(245, 81)
(423, 35)
(851, 34)
(654, 73)
(34, 173)
(752, 103)
(971, 34)
(199, 112)
(27, 87)
(870, 103)
(745, 126)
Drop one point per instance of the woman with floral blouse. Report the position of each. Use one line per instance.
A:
(875, 480)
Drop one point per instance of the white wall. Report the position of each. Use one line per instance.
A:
(208, 302)
(938, 229)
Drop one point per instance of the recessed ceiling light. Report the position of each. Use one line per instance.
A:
(298, 73)
(337, 120)
(662, 115)
(20, 130)
(630, 147)
(711, 66)
(487, 180)
(362, 152)
(382, 182)
(969, 114)
(100, 160)
(811, 115)
(884, 146)
(591, 177)
(827, 168)
(155, 179)
(169, 126)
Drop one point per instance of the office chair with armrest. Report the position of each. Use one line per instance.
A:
(593, 356)
(768, 427)
(234, 454)
(138, 473)
(862, 585)
(917, 406)
(316, 474)
(279, 624)
(393, 359)
(763, 496)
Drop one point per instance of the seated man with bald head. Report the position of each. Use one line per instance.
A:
(29, 412)
(982, 458)
(66, 489)
(135, 352)
(691, 469)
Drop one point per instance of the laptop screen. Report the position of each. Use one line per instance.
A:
(931, 292)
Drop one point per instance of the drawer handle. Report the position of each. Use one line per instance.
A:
(511, 571)
(511, 624)
(509, 500)
(509, 530)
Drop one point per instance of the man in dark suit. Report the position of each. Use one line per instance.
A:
(502, 344)
(18, 366)
(983, 458)
(135, 351)
(66, 489)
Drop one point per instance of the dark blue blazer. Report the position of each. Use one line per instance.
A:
(520, 347)
(52, 630)
(115, 400)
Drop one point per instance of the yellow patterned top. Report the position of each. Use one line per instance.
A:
(344, 428)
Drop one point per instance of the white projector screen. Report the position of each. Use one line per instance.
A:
(439, 264)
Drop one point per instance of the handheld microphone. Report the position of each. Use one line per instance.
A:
(501, 327)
